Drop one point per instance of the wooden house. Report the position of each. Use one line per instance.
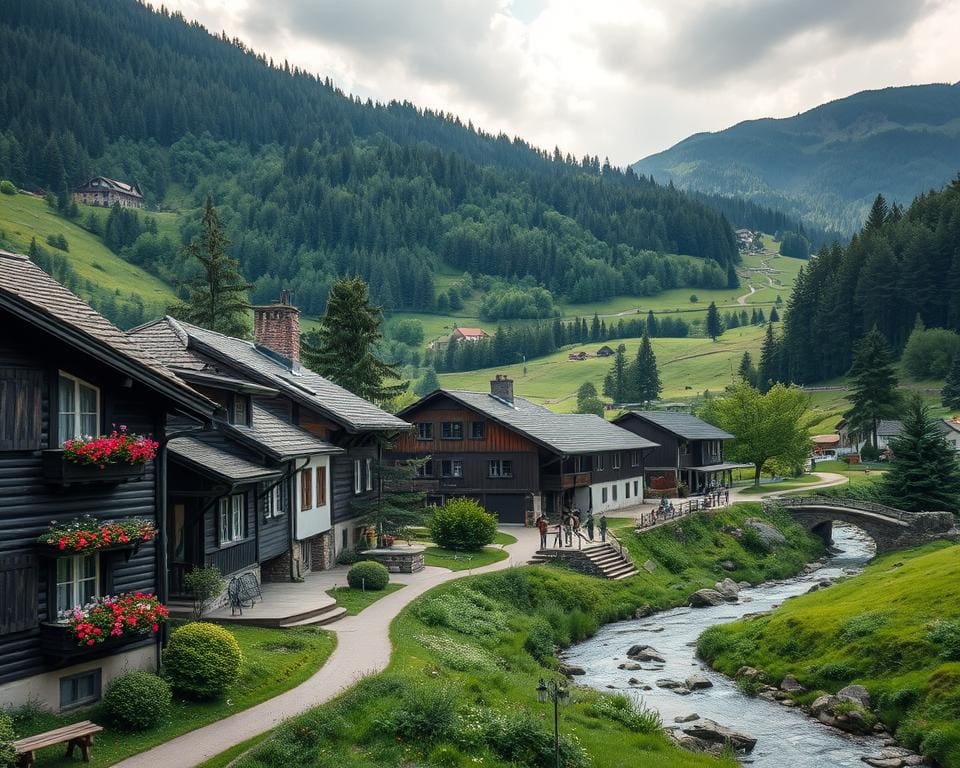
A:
(66, 372)
(106, 193)
(689, 450)
(605, 351)
(519, 459)
(273, 489)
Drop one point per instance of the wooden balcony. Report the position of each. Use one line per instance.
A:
(566, 481)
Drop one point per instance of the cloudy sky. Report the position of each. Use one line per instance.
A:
(617, 79)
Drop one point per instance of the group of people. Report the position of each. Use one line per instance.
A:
(570, 526)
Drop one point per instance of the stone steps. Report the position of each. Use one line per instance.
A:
(601, 560)
(327, 616)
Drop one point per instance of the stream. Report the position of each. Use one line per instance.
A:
(785, 737)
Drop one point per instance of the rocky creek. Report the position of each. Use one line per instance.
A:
(784, 736)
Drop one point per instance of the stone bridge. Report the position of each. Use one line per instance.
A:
(889, 527)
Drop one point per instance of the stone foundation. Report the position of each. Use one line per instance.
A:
(277, 569)
(397, 559)
(322, 556)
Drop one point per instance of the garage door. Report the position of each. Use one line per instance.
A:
(509, 508)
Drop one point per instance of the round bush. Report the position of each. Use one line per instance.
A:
(463, 524)
(368, 574)
(137, 701)
(7, 188)
(202, 660)
(8, 757)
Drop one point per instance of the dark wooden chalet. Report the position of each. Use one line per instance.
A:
(105, 192)
(315, 443)
(65, 371)
(519, 459)
(689, 450)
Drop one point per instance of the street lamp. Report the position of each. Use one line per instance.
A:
(558, 694)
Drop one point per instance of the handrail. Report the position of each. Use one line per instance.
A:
(830, 501)
(611, 535)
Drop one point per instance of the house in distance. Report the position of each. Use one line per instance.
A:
(106, 193)
(519, 459)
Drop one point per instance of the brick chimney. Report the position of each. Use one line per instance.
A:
(277, 326)
(502, 388)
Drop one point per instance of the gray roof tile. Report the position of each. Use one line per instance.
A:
(210, 458)
(685, 425)
(281, 439)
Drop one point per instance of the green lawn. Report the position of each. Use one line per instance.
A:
(894, 629)
(461, 686)
(274, 660)
(355, 600)
(23, 217)
(462, 561)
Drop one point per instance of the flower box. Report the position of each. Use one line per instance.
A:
(58, 641)
(87, 534)
(59, 471)
(104, 624)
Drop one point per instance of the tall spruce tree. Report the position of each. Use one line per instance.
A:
(747, 371)
(217, 297)
(343, 348)
(769, 372)
(875, 394)
(879, 213)
(617, 384)
(647, 385)
(714, 323)
(924, 474)
(397, 504)
(950, 394)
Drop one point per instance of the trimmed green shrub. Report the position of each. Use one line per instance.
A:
(7, 188)
(462, 524)
(8, 756)
(137, 701)
(202, 660)
(204, 584)
(349, 557)
(368, 574)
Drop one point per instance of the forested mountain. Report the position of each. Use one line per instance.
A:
(902, 265)
(312, 183)
(826, 165)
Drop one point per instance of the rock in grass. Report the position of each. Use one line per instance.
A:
(790, 685)
(855, 693)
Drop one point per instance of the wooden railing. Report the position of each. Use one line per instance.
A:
(232, 559)
(836, 503)
(679, 509)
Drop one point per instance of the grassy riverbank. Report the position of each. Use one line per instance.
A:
(894, 629)
(461, 686)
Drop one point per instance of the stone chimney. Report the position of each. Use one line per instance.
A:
(277, 326)
(502, 388)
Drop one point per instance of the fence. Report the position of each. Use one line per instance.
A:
(682, 509)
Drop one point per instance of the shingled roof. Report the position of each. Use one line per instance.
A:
(280, 439)
(28, 292)
(568, 434)
(209, 458)
(173, 340)
(684, 425)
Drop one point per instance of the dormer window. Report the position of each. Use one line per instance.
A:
(79, 408)
(240, 413)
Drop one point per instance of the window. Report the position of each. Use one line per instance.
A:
(616, 461)
(501, 468)
(357, 476)
(240, 413)
(78, 581)
(231, 509)
(425, 469)
(581, 464)
(598, 463)
(79, 408)
(478, 430)
(634, 458)
(369, 483)
(684, 449)
(636, 488)
(274, 503)
(451, 468)
(321, 486)
(603, 495)
(614, 491)
(344, 539)
(76, 690)
(424, 431)
(451, 430)
(626, 490)
(306, 489)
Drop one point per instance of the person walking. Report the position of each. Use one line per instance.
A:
(590, 524)
(543, 527)
(558, 537)
(603, 527)
(568, 529)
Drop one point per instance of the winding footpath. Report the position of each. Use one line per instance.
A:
(363, 649)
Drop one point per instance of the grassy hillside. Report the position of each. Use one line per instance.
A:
(894, 629)
(23, 217)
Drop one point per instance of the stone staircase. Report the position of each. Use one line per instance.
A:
(602, 560)
(260, 615)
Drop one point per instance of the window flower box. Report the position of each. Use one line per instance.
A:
(60, 471)
(57, 641)
(115, 458)
(103, 625)
(86, 534)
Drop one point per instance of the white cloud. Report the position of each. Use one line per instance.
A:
(617, 79)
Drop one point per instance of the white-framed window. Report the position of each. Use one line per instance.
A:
(603, 495)
(634, 458)
(614, 491)
(626, 488)
(598, 463)
(273, 504)
(241, 413)
(616, 461)
(500, 468)
(478, 430)
(451, 467)
(231, 514)
(424, 469)
(77, 690)
(578, 464)
(424, 430)
(79, 408)
(636, 487)
(451, 430)
(369, 475)
(78, 581)
(357, 476)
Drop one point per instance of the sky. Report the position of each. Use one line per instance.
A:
(613, 79)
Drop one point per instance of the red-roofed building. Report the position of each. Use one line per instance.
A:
(469, 334)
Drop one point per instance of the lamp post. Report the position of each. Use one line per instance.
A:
(558, 694)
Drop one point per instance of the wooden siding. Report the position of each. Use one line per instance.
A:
(341, 482)
(497, 438)
(274, 536)
(476, 479)
(665, 454)
(245, 554)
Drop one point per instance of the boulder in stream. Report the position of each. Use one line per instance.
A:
(698, 682)
(645, 653)
(706, 598)
(570, 670)
(714, 733)
(790, 685)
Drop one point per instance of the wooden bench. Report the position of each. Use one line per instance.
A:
(75, 735)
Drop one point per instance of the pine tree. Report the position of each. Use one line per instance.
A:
(397, 505)
(343, 347)
(646, 378)
(428, 383)
(875, 394)
(217, 296)
(653, 327)
(587, 399)
(616, 385)
(769, 371)
(924, 475)
(950, 394)
(747, 371)
(879, 213)
(774, 315)
(714, 324)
